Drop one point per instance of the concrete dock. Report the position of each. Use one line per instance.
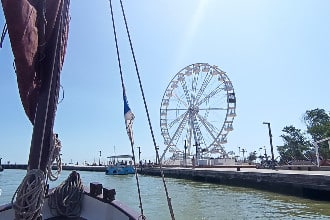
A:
(307, 183)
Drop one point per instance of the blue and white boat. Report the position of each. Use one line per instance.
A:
(120, 165)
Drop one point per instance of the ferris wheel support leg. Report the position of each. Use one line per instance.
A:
(163, 155)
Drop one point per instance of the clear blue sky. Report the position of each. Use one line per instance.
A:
(276, 54)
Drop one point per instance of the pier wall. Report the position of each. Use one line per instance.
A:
(64, 167)
(309, 186)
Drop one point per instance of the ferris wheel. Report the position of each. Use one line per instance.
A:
(197, 111)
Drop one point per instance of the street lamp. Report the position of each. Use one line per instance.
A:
(185, 152)
(239, 153)
(260, 148)
(100, 158)
(197, 152)
(243, 151)
(139, 154)
(270, 140)
(157, 148)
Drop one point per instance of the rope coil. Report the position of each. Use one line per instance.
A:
(30, 196)
(66, 200)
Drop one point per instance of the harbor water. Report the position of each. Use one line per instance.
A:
(190, 200)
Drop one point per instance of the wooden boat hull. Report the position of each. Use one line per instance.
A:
(100, 207)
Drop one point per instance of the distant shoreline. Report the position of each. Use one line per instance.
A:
(64, 167)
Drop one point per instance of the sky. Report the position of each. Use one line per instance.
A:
(276, 54)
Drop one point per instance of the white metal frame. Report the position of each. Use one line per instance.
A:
(317, 149)
(196, 92)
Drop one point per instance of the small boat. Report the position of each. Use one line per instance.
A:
(120, 165)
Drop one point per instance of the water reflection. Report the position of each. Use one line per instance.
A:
(211, 201)
(190, 200)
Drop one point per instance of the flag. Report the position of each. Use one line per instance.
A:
(129, 118)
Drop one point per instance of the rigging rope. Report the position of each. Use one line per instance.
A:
(123, 87)
(54, 155)
(4, 31)
(148, 116)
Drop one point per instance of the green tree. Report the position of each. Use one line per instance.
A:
(252, 156)
(318, 123)
(318, 127)
(295, 144)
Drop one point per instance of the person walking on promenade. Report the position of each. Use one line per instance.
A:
(193, 162)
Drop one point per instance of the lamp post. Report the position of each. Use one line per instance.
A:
(157, 148)
(197, 152)
(260, 148)
(185, 152)
(270, 140)
(100, 158)
(139, 154)
(243, 151)
(239, 153)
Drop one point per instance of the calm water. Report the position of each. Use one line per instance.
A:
(190, 200)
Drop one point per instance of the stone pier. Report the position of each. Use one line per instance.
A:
(303, 183)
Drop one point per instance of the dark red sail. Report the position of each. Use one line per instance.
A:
(24, 31)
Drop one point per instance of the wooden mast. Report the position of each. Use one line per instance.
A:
(47, 100)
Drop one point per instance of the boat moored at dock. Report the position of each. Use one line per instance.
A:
(120, 165)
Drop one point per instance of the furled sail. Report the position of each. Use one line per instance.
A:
(31, 24)
(38, 32)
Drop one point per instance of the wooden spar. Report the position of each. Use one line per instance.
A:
(47, 100)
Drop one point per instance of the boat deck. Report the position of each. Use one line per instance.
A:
(66, 218)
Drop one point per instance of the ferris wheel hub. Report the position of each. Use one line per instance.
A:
(193, 109)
